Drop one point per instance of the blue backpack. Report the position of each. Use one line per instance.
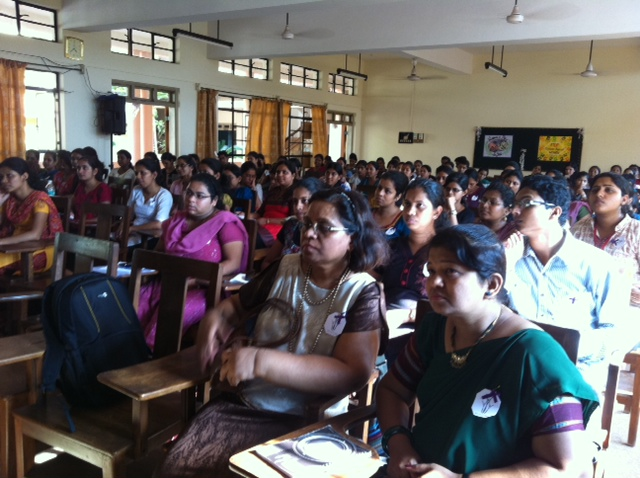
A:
(90, 326)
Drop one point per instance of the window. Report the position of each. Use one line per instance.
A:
(24, 19)
(341, 85)
(257, 68)
(340, 127)
(233, 125)
(42, 110)
(153, 46)
(299, 76)
(299, 142)
(150, 113)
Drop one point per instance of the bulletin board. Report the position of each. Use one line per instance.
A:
(551, 148)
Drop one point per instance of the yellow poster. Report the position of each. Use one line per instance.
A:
(555, 148)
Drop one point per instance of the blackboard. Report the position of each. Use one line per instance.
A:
(551, 148)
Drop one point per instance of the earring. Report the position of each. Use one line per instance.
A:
(488, 293)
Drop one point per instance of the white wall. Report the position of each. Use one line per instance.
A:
(542, 90)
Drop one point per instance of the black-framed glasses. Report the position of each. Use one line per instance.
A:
(189, 193)
(528, 202)
(322, 229)
(491, 201)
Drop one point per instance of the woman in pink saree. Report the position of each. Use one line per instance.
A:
(201, 232)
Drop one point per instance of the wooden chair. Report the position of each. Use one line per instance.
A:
(178, 203)
(107, 437)
(242, 205)
(120, 195)
(629, 393)
(21, 355)
(110, 219)
(251, 225)
(63, 205)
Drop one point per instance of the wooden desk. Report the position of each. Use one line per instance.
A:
(26, 250)
(28, 348)
(179, 372)
(249, 465)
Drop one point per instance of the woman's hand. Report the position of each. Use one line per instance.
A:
(238, 364)
(431, 470)
(213, 333)
(514, 248)
(451, 202)
(262, 221)
(401, 464)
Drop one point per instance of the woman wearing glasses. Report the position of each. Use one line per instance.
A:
(187, 166)
(495, 209)
(319, 327)
(201, 232)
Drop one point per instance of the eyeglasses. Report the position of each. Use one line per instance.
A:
(189, 193)
(491, 202)
(526, 203)
(453, 190)
(321, 229)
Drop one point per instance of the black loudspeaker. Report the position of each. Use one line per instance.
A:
(111, 114)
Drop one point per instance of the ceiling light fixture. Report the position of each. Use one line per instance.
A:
(352, 74)
(287, 34)
(203, 38)
(589, 72)
(490, 65)
(516, 16)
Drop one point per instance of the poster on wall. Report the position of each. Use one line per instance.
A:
(498, 146)
(405, 137)
(555, 148)
(529, 147)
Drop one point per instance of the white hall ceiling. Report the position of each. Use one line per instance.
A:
(440, 32)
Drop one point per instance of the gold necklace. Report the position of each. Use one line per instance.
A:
(305, 298)
(459, 361)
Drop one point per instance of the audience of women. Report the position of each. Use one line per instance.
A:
(288, 239)
(187, 166)
(276, 207)
(319, 328)
(612, 227)
(387, 201)
(334, 177)
(125, 173)
(65, 180)
(513, 179)
(169, 172)
(49, 166)
(202, 232)
(151, 203)
(455, 189)
(495, 209)
(496, 394)
(90, 189)
(27, 213)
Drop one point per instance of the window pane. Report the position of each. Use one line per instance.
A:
(297, 70)
(163, 55)
(8, 26)
(8, 7)
(141, 93)
(143, 51)
(225, 67)
(138, 36)
(40, 79)
(41, 123)
(260, 63)
(119, 47)
(120, 90)
(41, 32)
(241, 70)
(285, 68)
(246, 63)
(163, 42)
(122, 35)
(259, 75)
(163, 96)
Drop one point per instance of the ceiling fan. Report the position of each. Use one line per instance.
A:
(413, 76)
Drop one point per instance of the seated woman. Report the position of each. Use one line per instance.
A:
(612, 227)
(475, 190)
(187, 166)
(334, 177)
(169, 172)
(200, 232)
(276, 207)
(125, 174)
(387, 201)
(513, 179)
(455, 189)
(90, 189)
(495, 210)
(65, 180)
(49, 170)
(151, 203)
(495, 392)
(579, 207)
(27, 213)
(319, 327)
(288, 240)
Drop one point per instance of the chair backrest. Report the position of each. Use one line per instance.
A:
(242, 205)
(368, 191)
(86, 250)
(120, 183)
(174, 274)
(568, 338)
(120, 195)
(178, 203)
(110, 218)
(63, 205)
(422, 308)
(251, 225)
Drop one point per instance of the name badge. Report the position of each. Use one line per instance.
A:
(335, 323)
(486, 404)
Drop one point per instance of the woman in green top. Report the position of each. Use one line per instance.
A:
(495, 392)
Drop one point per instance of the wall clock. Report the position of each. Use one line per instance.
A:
(74, 48)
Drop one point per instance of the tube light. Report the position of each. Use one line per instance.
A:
(352, 74)
(203, 38)
(493, 67)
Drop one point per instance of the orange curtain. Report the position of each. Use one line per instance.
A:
(207, 127)
(286, 112)
(319, 133)
(265, 135)
(12, 115)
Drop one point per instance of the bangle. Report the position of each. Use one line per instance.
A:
(453, 213)
(390, 433)
(267, 220)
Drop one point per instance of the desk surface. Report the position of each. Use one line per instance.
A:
(21, 348)
(27, 246)
(158, 377)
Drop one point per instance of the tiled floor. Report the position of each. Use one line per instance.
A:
(622, 460)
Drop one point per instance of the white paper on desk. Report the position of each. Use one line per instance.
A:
(322, 453)
(239, 279)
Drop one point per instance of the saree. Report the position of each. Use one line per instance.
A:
(203, 243)
(18, 217)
